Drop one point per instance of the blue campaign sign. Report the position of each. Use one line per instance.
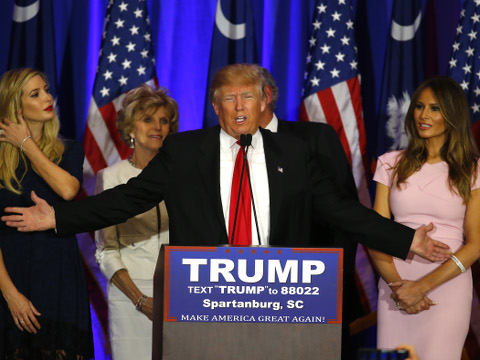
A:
(253, 284)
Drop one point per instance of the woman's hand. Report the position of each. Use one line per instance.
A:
(422, 305)
(14, 133)
(407, 293)
(23, 312)
(147, 308)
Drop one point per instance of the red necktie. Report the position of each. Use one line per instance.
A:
(243, 226)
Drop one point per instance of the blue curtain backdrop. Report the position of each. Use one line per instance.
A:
(182, 34)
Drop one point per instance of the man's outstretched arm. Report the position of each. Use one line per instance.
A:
(424, 246)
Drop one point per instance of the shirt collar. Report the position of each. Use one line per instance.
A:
(273, 124)
(227, 141)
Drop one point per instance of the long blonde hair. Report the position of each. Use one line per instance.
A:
(11, 85)
(459, 150)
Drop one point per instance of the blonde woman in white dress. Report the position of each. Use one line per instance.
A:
(127, 253)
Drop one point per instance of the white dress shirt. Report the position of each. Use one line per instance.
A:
(258, 176)
(273, 125)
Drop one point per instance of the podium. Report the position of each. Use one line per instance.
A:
(247, 303)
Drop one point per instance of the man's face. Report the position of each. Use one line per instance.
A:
(239, 108)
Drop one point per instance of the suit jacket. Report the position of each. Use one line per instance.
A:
(328, 151)
(185, 174)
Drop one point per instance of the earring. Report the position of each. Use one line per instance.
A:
(132, 140)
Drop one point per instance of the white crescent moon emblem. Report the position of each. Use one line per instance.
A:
(25, 13)
(405, 32)
(229, 30)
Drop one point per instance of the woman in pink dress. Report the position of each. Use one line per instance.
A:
(434, 179)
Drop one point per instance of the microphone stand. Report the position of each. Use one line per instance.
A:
(253, 201)
(239, 193)
(245, 142)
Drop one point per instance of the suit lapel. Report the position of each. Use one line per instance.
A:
(209, 168)
(275, 169)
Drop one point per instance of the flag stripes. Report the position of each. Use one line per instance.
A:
(340, 107)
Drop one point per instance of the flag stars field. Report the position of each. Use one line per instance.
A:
(320, 65)
(104, 91)
(128, 51)
(138, 13)
(115, 41)
(123, 80)
(141, 70)
(112, 58)
(130, 47)
(321, 9)
(465, 49)
(134, 30)
(107, 74)
(340, 57)
(119, 23)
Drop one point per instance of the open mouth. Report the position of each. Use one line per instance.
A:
(424, 126)
(158, 137)
(239, 120)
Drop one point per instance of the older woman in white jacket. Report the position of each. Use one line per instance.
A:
(128, 252)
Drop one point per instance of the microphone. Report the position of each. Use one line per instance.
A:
(245, 140)
(249, 140)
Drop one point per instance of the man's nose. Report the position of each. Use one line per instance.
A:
(239, 103)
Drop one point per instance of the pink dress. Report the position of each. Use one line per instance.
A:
(438, 333)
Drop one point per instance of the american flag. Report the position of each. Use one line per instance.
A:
(465, 61)
(465, 69)
(126, 61)
(332, 95)
(332, 86)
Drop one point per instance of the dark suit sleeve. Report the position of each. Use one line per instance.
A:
(373, 230)
(117, 205)
(330, 152)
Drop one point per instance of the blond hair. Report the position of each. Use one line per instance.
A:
(11, 85)
(237, 74)
(143, 100)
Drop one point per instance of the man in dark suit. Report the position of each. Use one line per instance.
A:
(328, 151)
(189, 174)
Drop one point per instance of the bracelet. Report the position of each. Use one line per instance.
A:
(459, 263)
(23, 142)
(55, 229)
(141, 302)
